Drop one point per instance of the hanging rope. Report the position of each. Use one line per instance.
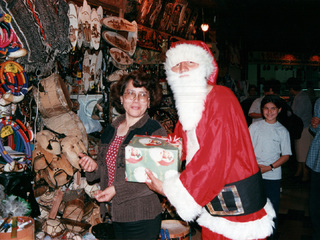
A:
(7, 125)
(13, 78)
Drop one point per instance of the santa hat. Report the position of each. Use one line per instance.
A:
(195, 51)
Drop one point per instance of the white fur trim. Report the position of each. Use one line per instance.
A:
(190, 93)
(189, 52)
(192, 145)
(187, 208)
(257, 229)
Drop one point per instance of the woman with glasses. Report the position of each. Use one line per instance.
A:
(135, 209)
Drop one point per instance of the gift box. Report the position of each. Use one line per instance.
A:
(159, 154)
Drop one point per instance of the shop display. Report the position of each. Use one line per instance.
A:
(71, 147)
(49, 141)
(116, 75)
(95, 29)
(9, 44)
(8, 125)
(52, 96)
(120, 57)
(73, 25)
(116, 40)
(14, 82)
(98, 76)
(118, 24)
(85, 18)
(132, 38)
(32, 23)
(80, 28)
(42, 129)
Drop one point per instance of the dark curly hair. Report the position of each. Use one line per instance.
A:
(139, 79)
(275, 99)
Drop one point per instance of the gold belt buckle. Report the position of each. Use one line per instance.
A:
(226, 211)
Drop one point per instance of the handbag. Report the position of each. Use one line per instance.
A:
(91, 125)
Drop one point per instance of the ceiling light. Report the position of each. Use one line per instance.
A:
(204, 27)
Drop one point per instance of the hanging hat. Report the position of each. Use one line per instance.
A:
(195, 51)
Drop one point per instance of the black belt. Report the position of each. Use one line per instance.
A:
(240, 198)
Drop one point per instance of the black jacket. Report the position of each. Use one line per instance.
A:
(133, 201)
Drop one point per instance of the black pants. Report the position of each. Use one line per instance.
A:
(142, 230)
(314, 203)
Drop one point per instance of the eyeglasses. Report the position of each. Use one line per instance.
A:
(141, 96)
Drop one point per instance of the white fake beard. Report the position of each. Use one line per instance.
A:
(189, 93)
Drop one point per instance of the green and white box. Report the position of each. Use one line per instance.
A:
(159, 154)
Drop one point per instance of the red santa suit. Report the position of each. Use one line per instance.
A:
(218, 152)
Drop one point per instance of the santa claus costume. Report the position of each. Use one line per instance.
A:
(221, 186)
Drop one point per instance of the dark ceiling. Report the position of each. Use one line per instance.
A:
(274, 25)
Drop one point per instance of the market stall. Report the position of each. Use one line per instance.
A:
(58, 60)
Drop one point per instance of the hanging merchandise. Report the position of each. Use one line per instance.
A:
(71, 147)
(73, 26)
(84, 15)
(86, 70)
(90, 124)
(116, 40)
(93, 63)
(118, 24)
(14, 141)
(116, 75)
(80, 28)
(49, 141)
(120, 59)
(56, 170)
(7, 126)
(32, 22)
(121, 33)
(95, 30)
(6, 110)
(52, 96)
(6, 34)
(14, 82)
(10, 47)
(132, 38)
(98, 71)
(100, 13)
(69, 124)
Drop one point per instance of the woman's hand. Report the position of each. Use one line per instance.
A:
(87, 163)
(105, 195)
(154, 183)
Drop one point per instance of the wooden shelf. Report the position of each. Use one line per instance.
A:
(108, 8)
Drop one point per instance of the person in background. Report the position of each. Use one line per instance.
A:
(221, 186)
(302, 107)
(246, 103)
(135, 209)
(272, 148)
(255, 110)
(313, 162)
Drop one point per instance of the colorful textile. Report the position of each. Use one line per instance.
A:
(43, 29)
